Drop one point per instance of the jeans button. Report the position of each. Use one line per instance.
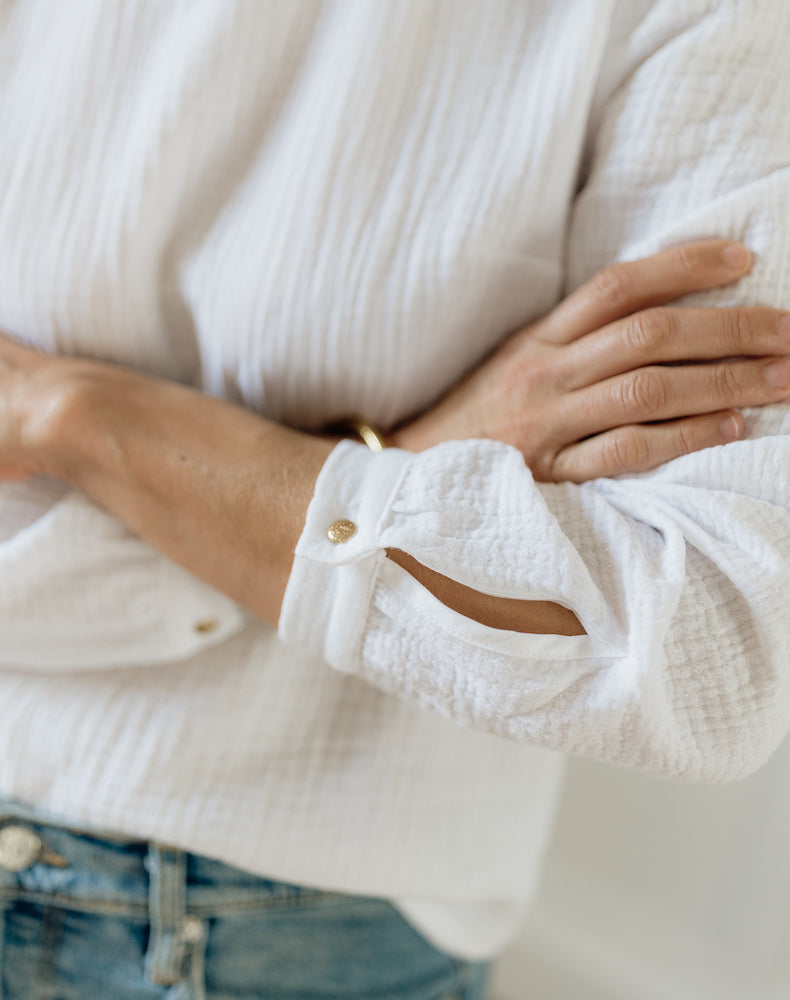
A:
(20, 848)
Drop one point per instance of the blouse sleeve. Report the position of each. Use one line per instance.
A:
(681, 576)
(80, 591)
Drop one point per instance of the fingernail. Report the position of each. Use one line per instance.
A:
(777, 374)
(731, 428)
(784, 327)
(736, 256)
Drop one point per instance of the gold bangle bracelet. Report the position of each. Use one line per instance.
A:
(372, 438)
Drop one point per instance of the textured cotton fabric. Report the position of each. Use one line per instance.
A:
(321, 208)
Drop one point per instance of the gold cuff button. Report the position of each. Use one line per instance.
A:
(340, 531)
(206, 625)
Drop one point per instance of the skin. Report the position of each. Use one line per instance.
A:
(224, 492)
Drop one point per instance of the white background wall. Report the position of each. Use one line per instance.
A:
(661, 891)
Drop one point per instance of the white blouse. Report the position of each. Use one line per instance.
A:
(321, 208)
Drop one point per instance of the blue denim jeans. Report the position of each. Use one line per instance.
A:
(89, 918)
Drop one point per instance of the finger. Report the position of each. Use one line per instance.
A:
(637, 448)
(656, 336)
(627, 287)
(666, 393)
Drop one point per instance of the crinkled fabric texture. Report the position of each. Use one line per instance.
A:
(677, 575)
(318, 208)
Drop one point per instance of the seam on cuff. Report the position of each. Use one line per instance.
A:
(373, 580)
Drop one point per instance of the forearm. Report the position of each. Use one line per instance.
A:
(215, 488)
(219, 490)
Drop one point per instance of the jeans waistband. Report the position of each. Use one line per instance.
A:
(102, 871)
(188, 920)
(172, 891)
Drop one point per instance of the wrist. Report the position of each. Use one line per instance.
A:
(409, 436)
(44, 409)
(415, 435)
(64, 414)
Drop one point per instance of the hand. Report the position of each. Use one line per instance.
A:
(587, 390)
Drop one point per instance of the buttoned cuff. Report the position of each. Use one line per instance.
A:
(338, 556)
(79, 591)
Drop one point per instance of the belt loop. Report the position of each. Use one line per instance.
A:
(164, 960)
(197, 973)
